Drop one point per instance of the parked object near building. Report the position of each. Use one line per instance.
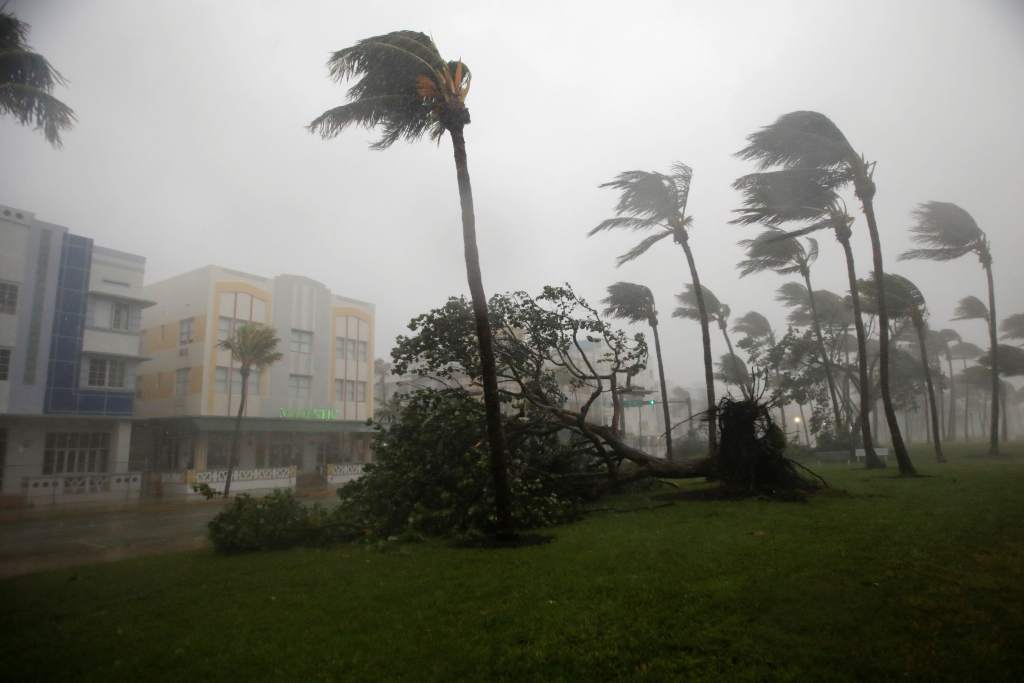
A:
(69, 350)
(306, 416)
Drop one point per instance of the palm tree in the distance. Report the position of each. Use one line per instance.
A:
(27, 80)
(756, 327)
(774, 250)
(635, 303)
(906, 301)
(964, 351)
(690, 309)
(947, 232)
(810, 140)
(1012, 328)
(806, 196)
(950, 337)
(656, 201)
(406, 88)
(253, 347)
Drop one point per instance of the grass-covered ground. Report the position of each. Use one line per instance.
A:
(919, 579)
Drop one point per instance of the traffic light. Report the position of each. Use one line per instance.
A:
(651, 402)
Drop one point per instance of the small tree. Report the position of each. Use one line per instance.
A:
(1012, 328)
(254, 346)
(694, 306)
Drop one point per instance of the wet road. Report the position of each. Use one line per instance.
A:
(48, 540)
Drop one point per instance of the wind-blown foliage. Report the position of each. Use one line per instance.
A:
(1012, 327)
(776, 251)
(970, 308)
(753, 324)
(27, 80)
(404, 86)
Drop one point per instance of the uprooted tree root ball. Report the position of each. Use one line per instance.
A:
(751, 458)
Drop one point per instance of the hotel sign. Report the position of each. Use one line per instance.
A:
(323, 414)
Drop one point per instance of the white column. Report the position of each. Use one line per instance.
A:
(120, 446)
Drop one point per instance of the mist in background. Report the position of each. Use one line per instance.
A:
(190, 146)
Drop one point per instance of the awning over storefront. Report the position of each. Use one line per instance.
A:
(223, 423)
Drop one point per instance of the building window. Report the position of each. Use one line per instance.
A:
(119, 313)
(185, 331)
(299, 386)
(8, 298)
(181, 382)
(76, 452)
(106, 372)
(225, 328)
(280, 454)
(221, 378)
(5, 364)
(301, 342)
(349, 390)
(351, 349)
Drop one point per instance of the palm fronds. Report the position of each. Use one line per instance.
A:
(1012, 327)
(774, 250)
(27, 80)
(630, 301)
(801, 139)
(965, 351)
(970, 308)
(688, 304)
(641, 247)
(902, 297)
(753, 324)
(946, 232)
(404, 87)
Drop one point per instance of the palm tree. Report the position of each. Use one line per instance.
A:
(656, 201)
(774, 250)
(254, 346)
(806, 195)
(693, 306)
(906, 301)
(948, 232)
(635, 303)
(407, 88)
(810, 141)
(1012, 327)
(732, 370)
(756, 327)
(27, 80)
(950, 337)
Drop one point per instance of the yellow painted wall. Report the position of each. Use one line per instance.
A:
(337, 312)
(219, 288)
(160, 338)
(195, 380)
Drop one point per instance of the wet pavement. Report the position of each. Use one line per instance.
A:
(32, 541)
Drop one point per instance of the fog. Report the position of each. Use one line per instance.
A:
(190, 146)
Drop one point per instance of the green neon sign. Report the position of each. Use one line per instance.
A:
(324, 414)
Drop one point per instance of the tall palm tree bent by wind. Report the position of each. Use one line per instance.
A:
(948, 232)
(689, 308)
(27, 80)
(254, 346)
(809, 140)
(635, 303)
(655, 201)
(407, 88)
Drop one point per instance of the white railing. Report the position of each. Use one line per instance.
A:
(244, 479)
(339, 473)
(82, 488)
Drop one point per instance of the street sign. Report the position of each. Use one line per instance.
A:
(637, 402)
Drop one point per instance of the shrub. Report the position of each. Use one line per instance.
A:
(275, 521)
(432, 473)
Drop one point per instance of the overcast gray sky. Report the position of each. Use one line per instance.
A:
(190, 146)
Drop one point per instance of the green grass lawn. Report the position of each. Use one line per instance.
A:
(920, 579)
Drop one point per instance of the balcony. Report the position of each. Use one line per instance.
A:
(112, 343)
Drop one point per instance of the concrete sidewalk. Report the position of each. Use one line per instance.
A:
(39, 539)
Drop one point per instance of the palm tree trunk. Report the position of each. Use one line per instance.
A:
(803, 421)
(866, 195)
(233, 458)
(705, 334)
(951, 420)
(871, 459)
(932, 407)
(1002, 411)
(664, 392)
(967, 404)
(993, 444)
(840, 427)
(488, 367)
